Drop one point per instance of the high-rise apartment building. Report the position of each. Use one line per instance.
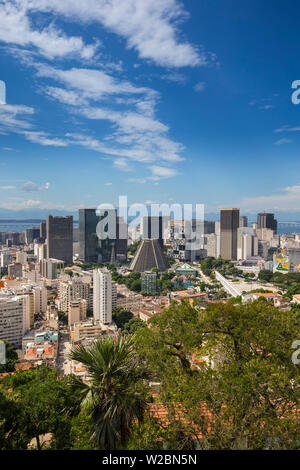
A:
(104, 294)
(68, 291)
(5, 259)
(11, 320)
(60, 238)
(230, 221)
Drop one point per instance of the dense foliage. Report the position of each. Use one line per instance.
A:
(224, 375)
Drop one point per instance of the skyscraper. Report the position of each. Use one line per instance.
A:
(230, 221)
(243, 221)
(265, 220)
(247, 243)
(89, 248)
(43, 233)
(31, 234)
(93, 249)
(104, 290)
(153, 227)
(60, 238)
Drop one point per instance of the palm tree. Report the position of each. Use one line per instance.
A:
(115, 391)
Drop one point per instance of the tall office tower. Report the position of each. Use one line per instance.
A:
(153, 227)
(122, 240)
(103, 296)
(265, 220)
(31, 234)
(89, 249)
(243, 221)
(14, 238)
(92, 248)
(60, 238)
(230, 221)
(43, 232)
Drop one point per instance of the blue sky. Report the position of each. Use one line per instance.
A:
(162, 101)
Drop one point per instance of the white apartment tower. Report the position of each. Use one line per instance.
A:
(12, 312)
(103, 295)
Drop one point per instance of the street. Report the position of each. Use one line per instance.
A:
(63, 362)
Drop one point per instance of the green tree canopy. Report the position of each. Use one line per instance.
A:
(244, 395)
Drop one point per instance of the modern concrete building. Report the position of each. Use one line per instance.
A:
(11, 320)
(92, 248)
(230, 221)
(77, 311)
(153, 227)
(104, 293)
(5, 258)
(69, 291)
(265, 220)
(43, 230)
(15, 270)
(60, 238)
(21, 257)
(247, 243)
(51, 268)
(243, 221)
(31, 234)
(148, 279)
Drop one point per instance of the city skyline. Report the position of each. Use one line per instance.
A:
(100, 104)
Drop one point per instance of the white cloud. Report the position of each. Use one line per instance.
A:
(17, 28)
(200, 86)
(283, 141)
(90, 83)
(175, 77)
(30, 187)
(266, 106)
(11, 120)
(21, 204)
(287, 129)
(122, 164)
(42, 138)
(150, 28)
(163, 172)
(6, 188)
(286, 200)
(136, 133)
(108, 184)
